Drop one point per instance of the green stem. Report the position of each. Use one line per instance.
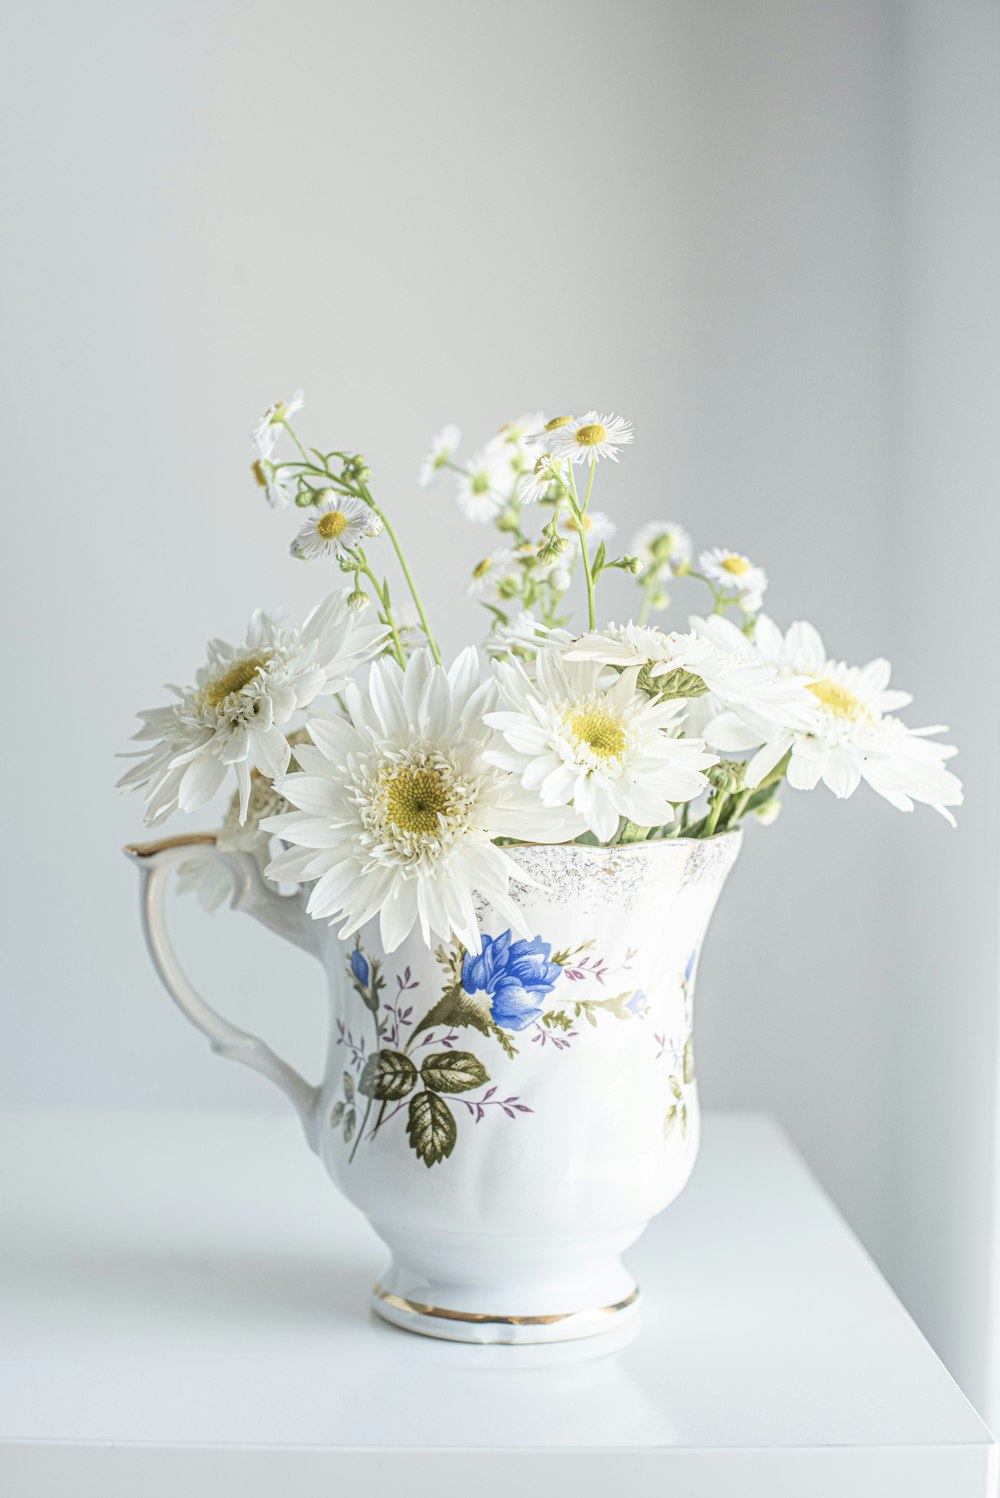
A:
(714, 812)
(366, 496)
(382, 594)
(647, 605)
(585, 550)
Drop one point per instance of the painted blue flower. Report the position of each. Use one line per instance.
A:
(689, 968)
(637, 1003)
(359, 967)
(517, 975)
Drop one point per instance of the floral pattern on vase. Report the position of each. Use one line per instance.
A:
(502, 990)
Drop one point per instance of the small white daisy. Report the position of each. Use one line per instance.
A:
(233, 717)
(736, 575)
(596, 525)
(489, 575)
(442, 451)
(663, 548)
(584, 439)
(278, 482)
(606, 752)
(484, 487)
(337, 523)
(399, 808)
(268, 429)
(540, 478)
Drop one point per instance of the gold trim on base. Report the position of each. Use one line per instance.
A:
(480, 1318)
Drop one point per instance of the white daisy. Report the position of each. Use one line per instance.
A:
(233, 716)
(337, 523)
(513, 434)
(525, 632)
(278, 482)
(489, 575)
(268, 429)
(540, 478)
(596, 525)
(398, 807)
(736, 575)
(584, 439)
(663, 548)
(719, 680)
(484, 487)
(606, 752)
(442, 451)
(852, 734)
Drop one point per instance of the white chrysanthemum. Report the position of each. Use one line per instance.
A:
(267, 431)
(735, 574)
(606, 752)
(398, 807)
(540, 479)
(852, 734)
(234, 715)
(442, 452)
(489, 575)
(278, 482)
(485, 486)
(597, 526)
(584, 439)
(332, 526)
(662, 547)
(685, 665)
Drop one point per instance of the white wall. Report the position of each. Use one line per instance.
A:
(757, 228)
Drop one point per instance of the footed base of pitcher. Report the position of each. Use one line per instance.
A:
(484, 1327)
(438, 1290)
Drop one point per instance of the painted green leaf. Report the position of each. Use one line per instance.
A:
(676, 1089)
(349, 1121)
(453, 1071)
(388, 1076)
(669, 1121)
(431, 1127)
(348, 1087)
(689, 1059)
(337, 1114)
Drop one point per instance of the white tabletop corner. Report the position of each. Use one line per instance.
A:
(183, 1308)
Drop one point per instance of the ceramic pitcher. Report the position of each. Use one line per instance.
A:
(509, 1120)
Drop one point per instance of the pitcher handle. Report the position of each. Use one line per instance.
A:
(252, 893)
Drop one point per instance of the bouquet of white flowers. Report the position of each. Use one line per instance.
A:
(392, 783)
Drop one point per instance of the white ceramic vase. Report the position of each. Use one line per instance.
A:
(510, 1121)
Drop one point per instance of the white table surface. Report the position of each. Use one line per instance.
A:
(182, 1313)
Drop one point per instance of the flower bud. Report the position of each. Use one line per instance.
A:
(769, 812)
(307, 497)
(631, 564)
(727, 775)
(509, 520)
(358, 601)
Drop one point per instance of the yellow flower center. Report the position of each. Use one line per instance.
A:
(480, 483)
(481, 568)
(598, 730)
(572, 524)
(331, 524)
(838, 700)
(592, 436)
(557, 421)
(735, 566)
(257, 469)
(239, 675)
(416, 800)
